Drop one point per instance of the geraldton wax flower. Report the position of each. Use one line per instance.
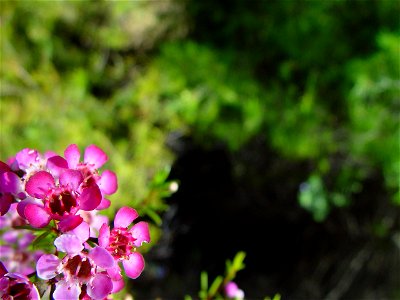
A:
(15, 286)
(122, 241)
(55, 202)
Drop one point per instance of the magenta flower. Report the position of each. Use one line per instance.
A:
(94, 220)
(121, 242)
(16, 286)
(232, 291)
(59, 201)
(94, 158)
(10, 188)
(14, 244)
(81, 271)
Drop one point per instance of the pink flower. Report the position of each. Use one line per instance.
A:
(94, 220)
(10, 188)
(16, 286)
(94, 158)
(59, 201)
(14, 247)
(121, 241)
(232, 291)
(81, 270)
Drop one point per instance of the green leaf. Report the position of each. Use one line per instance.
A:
(215, 285)
(39, 239)
(204, 281)
(238, 261)
(154, 216)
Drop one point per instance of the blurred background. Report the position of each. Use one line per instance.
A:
(278, 119)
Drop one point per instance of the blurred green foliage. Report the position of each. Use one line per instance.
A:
(318, 81)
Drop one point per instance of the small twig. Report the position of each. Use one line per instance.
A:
(347, 279)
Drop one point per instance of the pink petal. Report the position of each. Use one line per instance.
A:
(115, 273)
(49, 154)
(4, 167)
(141, 233)
(47, 265)
(39, 184)
(108, 182)
(9, 183)
(82, 231)
(104, 236)
(102, 257)
(66, 290)
(118, 285)
(95, 156)
(36, 215)
(34, 294)
(3, 270)
(69, 223)
(5, 203)
(100, 287)
(134, 266)
(73, 178)
(26, 157)
(125, 217)
(56, 164)
(72, 155)
(104, 204)
(90, 198)
(22, 205)
(95, 225)
(68, 243)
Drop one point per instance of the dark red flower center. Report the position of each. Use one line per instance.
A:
(121, 243)
(61, 202)
(79, 267)
(90, 176)
(18, 290)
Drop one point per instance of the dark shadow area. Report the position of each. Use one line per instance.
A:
(220, 210)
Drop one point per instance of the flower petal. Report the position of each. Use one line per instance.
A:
(104, 204)
(56, 164)
(82, 231)
(141, 233)
(46, 266)
(95, 156)
(38, 185)
(34, 294)
(134, 266)
(26, 157)
(4, 167)
(69, 223)
(104, 235)
(72, 178)
(72, 155)
(36, 215)
(100, 286)
(102, 257)
(68, 243)
(90, 198)
(115, 273)
(118, 285)
(3, 270)
(5, 203)
(125, 217)
(66, 290)
(10, 183)
(108, 182)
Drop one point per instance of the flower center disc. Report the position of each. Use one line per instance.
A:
(79, 268)
(121, 243)
(62, 202)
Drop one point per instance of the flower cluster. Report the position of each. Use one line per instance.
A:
(62, 196)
